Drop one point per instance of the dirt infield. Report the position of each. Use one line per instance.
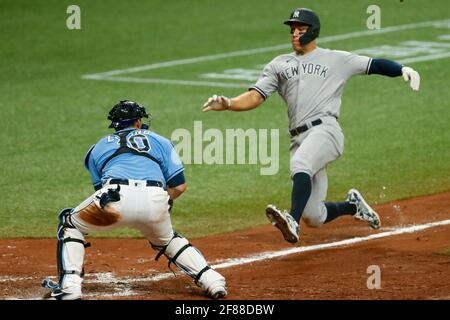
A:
(413, 265)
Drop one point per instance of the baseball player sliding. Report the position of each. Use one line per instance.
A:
(137, 174)
(311, 81)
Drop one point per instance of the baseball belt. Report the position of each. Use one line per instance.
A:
(304, 128)
(149, 183)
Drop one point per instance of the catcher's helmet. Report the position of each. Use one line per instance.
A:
(125, 113)
(308, 17)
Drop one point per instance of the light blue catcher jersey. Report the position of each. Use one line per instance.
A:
(165, 164)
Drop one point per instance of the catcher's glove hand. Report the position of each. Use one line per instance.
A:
(217, 103)
(413, 76)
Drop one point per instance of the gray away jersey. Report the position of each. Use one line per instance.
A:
(311, 85)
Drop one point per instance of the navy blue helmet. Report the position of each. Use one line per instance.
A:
(308, 17)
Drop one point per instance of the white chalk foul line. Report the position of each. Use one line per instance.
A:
(168, 81)
(276, 254)
(233, 262)
(425, 58)
(109, 75)
(173, 63)
(9, 279)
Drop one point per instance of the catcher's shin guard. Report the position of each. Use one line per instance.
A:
(191, 261)
(69, 253)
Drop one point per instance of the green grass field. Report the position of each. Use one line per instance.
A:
(397, 141)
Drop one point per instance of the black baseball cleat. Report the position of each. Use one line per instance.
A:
(363, 211)
(59, 294)
(284, 222)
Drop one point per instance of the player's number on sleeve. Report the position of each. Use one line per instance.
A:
(139, 142)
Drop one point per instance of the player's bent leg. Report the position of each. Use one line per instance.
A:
(191, 261)
(70, 258)
(308, 171)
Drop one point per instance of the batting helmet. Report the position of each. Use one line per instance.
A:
(308, 17)
(124, 113)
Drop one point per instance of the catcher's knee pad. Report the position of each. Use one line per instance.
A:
(70, 252)
(191, 261)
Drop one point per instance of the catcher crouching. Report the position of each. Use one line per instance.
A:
(136, 174)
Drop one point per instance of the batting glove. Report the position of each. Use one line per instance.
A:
(413, 76)
(217, 103)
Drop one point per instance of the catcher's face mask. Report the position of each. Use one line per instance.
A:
(123, 115)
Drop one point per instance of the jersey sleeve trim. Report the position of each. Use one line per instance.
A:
(368, 66)
(259, 91)
(176, 180)
(174, 174)
(86, 158)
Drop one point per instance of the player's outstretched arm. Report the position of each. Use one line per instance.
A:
(246, 101)
(390, 68)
